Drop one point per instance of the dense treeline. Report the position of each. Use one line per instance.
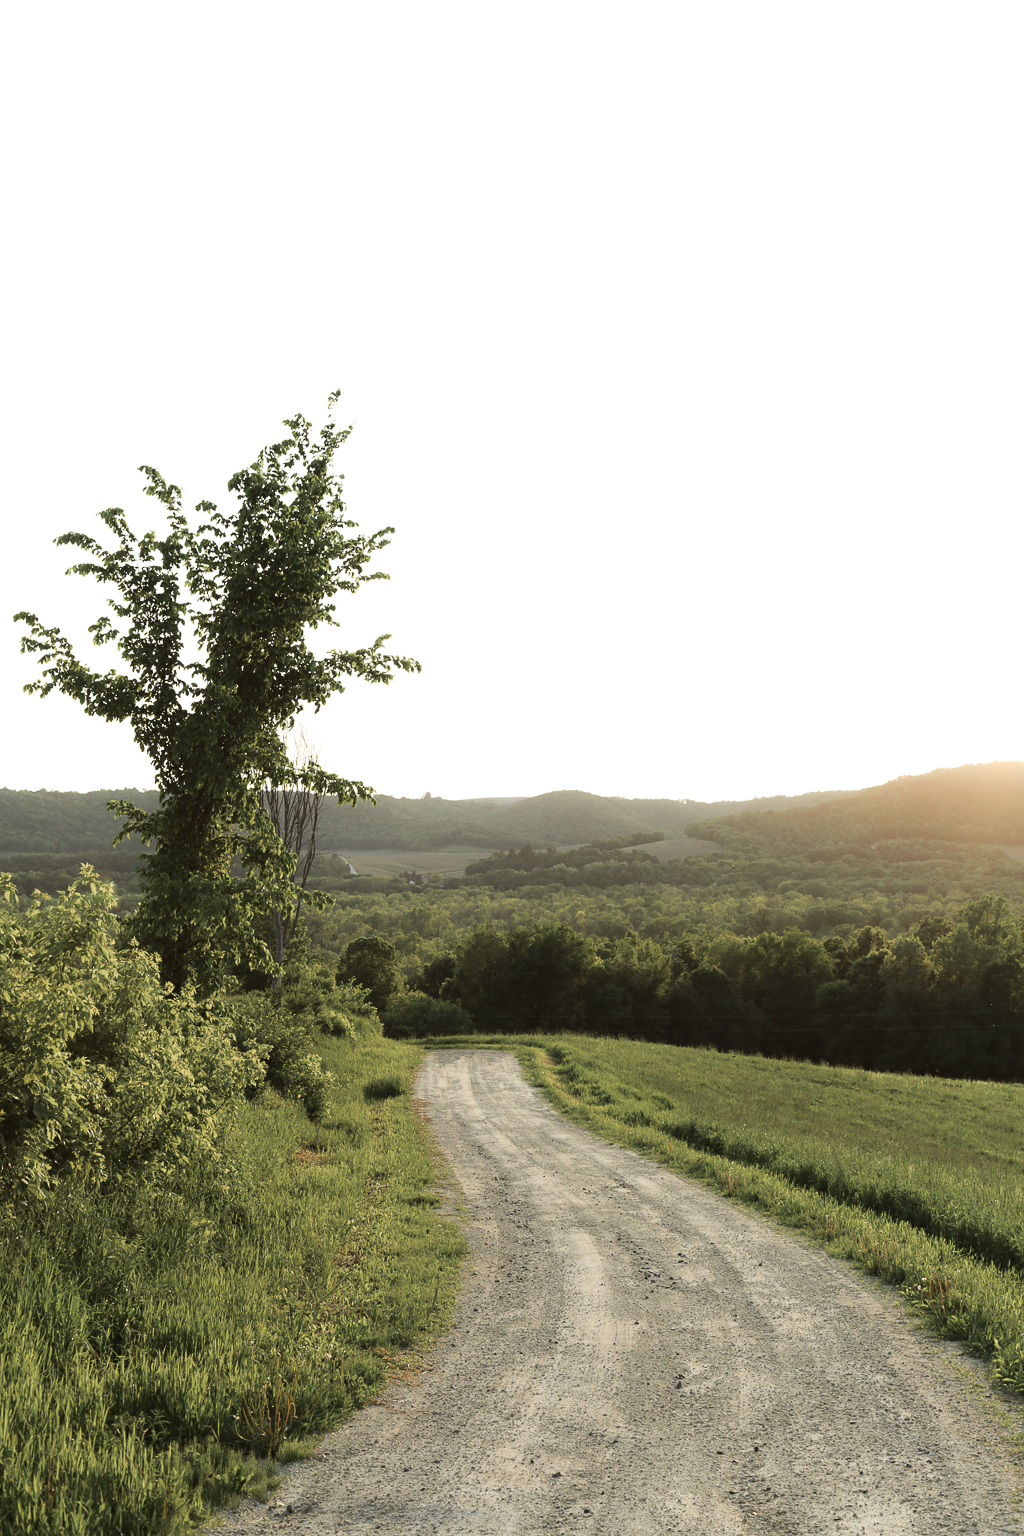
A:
(507, 871)
(946, 999)
(772, 880)
(52, 873)
(54, 821)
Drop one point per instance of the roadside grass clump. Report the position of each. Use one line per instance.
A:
(383, 1088)
(161, 1352)
(918, 1180)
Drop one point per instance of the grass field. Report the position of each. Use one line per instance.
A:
(678, 848)
(919, 1180)
(152, 1359)
(380, 862)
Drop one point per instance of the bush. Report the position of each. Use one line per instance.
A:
(309, 1081)
(265, 1026)
(353, 1014)
(103, 1071)
(417, 1016)
(382, 1088)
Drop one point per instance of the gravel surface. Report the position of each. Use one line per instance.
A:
(633, 1353)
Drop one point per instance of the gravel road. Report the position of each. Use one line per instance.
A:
(632, 1353)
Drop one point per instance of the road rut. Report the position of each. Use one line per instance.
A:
(633, 1353)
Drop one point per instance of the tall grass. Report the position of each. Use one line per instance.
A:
(153, 1356)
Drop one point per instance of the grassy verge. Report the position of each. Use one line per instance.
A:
(918, 1180)
(159, 1359)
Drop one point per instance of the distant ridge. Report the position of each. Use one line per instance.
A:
(63, 821)
(59, 822)
(978, 802)
(975, 803)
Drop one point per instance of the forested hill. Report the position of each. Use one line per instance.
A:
(48, 821)
(978, 803)
(561, 818)
(55, 821)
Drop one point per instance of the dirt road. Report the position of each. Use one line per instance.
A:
(632, 1353)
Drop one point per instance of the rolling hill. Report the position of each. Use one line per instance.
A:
(976, 803)
(52, 822)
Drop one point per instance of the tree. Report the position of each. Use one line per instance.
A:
(372, 963)
(240, 591)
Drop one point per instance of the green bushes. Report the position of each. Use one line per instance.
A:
(283, 1025)
(266, 1028)
(417, 1016)
(104, 1073)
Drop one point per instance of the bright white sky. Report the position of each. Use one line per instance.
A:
(682, 342)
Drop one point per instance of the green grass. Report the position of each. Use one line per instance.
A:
(918, 1180)
(158, 1359)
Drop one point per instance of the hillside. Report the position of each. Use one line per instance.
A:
(57, 821)
(976, 803)
(560, 818)
(49, 821)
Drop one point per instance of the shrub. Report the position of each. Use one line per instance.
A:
(417, 1016)
(383, 1088)
(353, 1014)
(264, 1025)
(103, 1071)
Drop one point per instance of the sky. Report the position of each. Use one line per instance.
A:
(682, 345)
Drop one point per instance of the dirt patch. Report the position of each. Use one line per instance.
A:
(634, 1354)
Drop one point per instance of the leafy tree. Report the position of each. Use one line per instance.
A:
(241, 591)
(372, 963)
(548, 965)
(624, 992)
(531, 978)
(436, 972)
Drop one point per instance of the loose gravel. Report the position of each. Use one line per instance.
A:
(632, 1353)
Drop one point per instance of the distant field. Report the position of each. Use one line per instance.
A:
(393, 861)
(683, 848)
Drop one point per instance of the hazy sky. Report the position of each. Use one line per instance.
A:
(683, 345)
